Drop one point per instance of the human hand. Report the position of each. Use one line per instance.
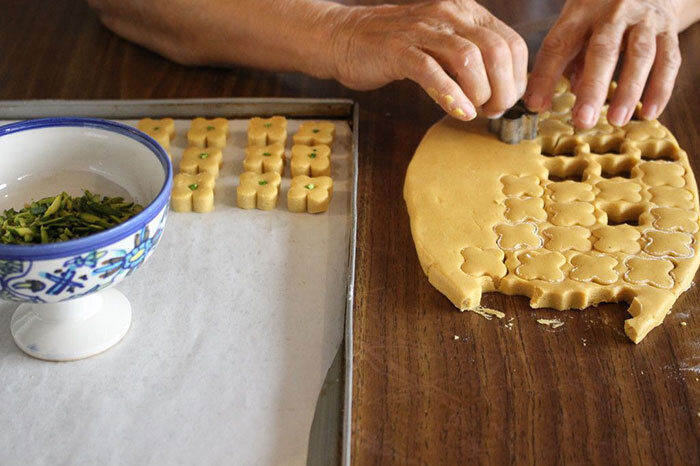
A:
(587, 40)
(460, 54)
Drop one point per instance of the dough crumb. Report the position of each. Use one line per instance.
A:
(509, 324)
(684, 324)
(456, 337)
(487, 313)
(554, 323)
(584, 341)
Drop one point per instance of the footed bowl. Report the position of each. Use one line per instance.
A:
(69, 311)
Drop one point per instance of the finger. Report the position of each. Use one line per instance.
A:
(499, 68)
(574, 70)
(519, 54)
(639, 56)
(463, 60)
(663, 76)
(420, 67)
(562, 44)
(601, 57)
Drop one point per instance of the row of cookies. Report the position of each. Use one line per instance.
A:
(311, 187)
(193, 187)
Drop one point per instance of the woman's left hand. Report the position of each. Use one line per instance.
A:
(587, 41)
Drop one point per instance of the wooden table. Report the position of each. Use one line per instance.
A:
(432, 385)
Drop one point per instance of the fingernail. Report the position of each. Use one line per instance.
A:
(649, 113)
(617, 116)
(534, 102)
(495, 115)
(585, 115)
(462, 115)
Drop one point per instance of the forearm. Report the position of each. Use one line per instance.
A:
(291, 35)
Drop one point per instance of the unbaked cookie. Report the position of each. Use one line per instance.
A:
(258, 190)
(571, 219)
(311, 160)
(265, 131)
(208, 132)
(310, 194)
(312, 133)
(201, 160)
(193, 193)
(162, 130)
(263, 159)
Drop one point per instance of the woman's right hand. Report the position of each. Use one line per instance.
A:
(458, 52)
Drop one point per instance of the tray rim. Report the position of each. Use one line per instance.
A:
(346, 109)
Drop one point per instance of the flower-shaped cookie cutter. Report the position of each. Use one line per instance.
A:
(516, 124)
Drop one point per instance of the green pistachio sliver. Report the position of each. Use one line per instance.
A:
(210, 128)
(268, 125)
(204, 155)
(267, 154)
(193, 186)
(315, 130)
(262, 182)
(310, 186)
(55, 205)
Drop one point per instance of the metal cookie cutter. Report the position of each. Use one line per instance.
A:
(516, 124)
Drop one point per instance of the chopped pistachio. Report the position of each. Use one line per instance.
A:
(310, 186)
(204, 155)
(193, 186)
(262, 182)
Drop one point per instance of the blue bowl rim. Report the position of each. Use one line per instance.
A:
(107, 237)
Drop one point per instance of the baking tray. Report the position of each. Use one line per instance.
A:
(334, 388)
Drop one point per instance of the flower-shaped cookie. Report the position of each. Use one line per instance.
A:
(519, 236)
(313, 133)
(565, 238)
(662, 173)
(263, 159)
(567, 191)
(597, 268)
(259, 190)
(619, 190)
(668, 196)
(520, 186)
(162, 130)
(551, 130)
(208, 133)
(484, 262)
(655, 272)
(572, 213)
(312, 195)
(643, 130)
(193, 192)
(311, 160)
(266, 131)
(668, 243)
(538, 265)
(201, 160)
(518, 210)
(618, 238)
(673, 219)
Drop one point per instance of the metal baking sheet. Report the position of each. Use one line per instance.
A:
(327, 414)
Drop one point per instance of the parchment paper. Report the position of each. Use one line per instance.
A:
(236, 320)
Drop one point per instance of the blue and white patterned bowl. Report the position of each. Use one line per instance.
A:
(43, 157)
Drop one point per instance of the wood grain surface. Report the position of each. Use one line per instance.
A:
(431, 385)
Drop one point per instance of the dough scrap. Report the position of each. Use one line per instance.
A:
(620, 223)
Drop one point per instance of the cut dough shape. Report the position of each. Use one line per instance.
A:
(162, 130)
(266, 131)
(258, 190)
(307, 194)
(193, 193)
(201, 160)
(263, 159)
(311, 160)
(623, 225)
(208, 132)
(312, 133)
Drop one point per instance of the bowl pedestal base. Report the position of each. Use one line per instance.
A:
(74, 329)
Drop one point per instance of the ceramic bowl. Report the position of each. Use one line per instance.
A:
(69, 312)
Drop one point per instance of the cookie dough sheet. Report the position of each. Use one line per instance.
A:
(236, 319)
